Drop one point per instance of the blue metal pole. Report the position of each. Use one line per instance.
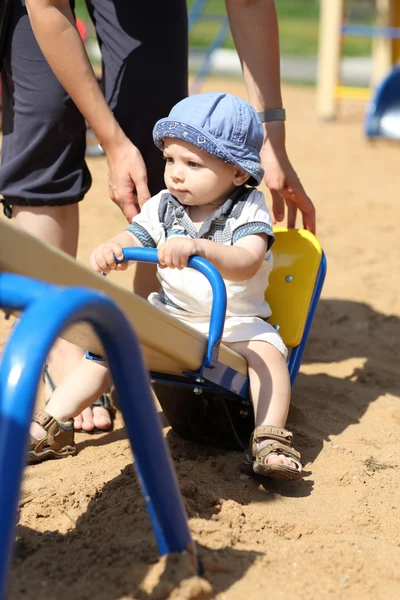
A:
(217, 43)
(371, 31)
(20, 373)
(297, 353)
(195, 13)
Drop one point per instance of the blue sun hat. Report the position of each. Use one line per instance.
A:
(220, 124)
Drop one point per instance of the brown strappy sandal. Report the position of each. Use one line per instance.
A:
(281, 444)
(57, 443)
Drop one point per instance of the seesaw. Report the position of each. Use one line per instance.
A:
(167, 345)
(45, 311)
(201, 385)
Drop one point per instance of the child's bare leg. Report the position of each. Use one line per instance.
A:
(269, 388)
(59, 226)
(84, 384)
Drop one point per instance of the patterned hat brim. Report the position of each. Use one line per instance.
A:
(187, 133)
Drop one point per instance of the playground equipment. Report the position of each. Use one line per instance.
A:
(382, 117)
(201, 385)
(197, 14)
(386, 52)
(211, 405)
(21, 367)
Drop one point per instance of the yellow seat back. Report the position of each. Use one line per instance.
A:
(297, 258)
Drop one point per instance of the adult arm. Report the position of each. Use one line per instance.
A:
(54, 28)
(254, 27)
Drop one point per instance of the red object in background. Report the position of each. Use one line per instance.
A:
(81, 27)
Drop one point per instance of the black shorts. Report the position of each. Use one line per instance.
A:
(144, 47)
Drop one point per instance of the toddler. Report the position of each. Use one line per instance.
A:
(210, 208)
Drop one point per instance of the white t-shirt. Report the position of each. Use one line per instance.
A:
(187, 293)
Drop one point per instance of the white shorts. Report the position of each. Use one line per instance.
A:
(236, 329)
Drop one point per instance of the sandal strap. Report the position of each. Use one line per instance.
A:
(48, 379)
(281, 444)
(105, 402)
(270, 432)
(42, 418)
(276, 448)
(56, 436)
(274, 433)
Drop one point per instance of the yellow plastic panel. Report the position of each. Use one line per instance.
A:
(297, 257)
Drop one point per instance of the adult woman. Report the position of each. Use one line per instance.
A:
(49, 89)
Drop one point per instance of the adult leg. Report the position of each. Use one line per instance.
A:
(43, 174)
(43, 132)
(56, 225)
(144, 47)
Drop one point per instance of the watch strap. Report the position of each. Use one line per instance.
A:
(272, 114)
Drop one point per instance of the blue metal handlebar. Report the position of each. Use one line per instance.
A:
(218, 310)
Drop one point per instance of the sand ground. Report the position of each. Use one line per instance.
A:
(83, 532)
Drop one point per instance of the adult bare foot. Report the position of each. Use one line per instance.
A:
(97, 418)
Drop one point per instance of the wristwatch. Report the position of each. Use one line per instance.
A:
(272, 114)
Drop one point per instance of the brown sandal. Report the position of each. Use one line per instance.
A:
(57, 443)
(282, 444)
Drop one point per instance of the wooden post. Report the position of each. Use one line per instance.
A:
(383, 48)
(331, 12)
(396, 23)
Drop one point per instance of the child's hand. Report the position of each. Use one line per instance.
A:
(175, 253)
(102, 259)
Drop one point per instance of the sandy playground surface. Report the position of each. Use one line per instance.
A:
(83, 531)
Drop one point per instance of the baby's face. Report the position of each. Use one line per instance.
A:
(196, 178)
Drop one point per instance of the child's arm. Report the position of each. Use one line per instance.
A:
(145, 230)
(235, 263)
(102, 258)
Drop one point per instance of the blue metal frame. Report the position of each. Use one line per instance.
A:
(217, 319)
(296, 355)
(47, 311)
(195, 13)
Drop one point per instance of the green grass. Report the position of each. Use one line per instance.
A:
(81, 10)
(298, 28)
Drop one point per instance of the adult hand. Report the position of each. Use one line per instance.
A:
(127, 178)
(284, 185)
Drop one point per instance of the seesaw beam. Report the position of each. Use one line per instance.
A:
(168, 346)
